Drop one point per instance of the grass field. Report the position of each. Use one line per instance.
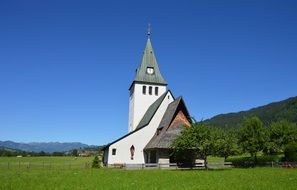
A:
(254, 178)
(45, 162)
(53, 159)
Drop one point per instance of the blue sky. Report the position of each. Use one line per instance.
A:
(66, 66)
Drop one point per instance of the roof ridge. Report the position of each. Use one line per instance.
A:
(172, 105)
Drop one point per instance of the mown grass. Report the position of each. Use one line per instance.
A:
(256, 178)
(252, 178)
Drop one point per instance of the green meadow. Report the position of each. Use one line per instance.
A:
(45, 162)
(86, 178)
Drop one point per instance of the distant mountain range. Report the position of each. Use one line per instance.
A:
(276, 111)
(49, 147)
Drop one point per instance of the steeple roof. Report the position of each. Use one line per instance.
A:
(149, 61)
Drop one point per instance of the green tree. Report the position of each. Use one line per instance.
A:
(57, 154)
(96, 162)
(291, 152)
(74, 152)
(42, 153)
(281, 133)
(252, 136)
(226, 143)
(197, 141)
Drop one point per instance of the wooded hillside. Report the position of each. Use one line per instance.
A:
(276, 111)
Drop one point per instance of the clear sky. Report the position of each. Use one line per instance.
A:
(66, 66)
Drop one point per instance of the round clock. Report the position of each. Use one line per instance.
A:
(150, 70)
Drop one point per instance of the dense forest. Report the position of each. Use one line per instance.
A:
(273, 112)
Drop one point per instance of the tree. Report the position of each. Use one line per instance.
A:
(57, 154)
(96, 162)
(281, 133)
(252, 136)
(291, 152)
(226, 143)
(42, 153)
(197, 141)
(74, 152)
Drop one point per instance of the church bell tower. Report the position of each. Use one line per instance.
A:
(147, 86)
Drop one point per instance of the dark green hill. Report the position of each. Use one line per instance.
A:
(286, 109)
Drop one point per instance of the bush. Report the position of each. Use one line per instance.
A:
(263, 158)
(249, 161)
(291, 152)
(96, 162)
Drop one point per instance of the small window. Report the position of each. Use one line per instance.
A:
(150, 90)
(156, 91)
(143, 89)
(114, 151)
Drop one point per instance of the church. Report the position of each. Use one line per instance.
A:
(156, 117)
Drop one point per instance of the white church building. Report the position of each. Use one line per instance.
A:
(156, 117)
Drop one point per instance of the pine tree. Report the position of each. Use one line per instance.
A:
(96, 162)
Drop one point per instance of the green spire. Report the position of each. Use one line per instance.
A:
(148, 71)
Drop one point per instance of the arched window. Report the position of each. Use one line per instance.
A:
(132, 150)
(156, 91)
(150, 90)
(143, 89)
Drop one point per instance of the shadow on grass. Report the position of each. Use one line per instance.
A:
(201, 169)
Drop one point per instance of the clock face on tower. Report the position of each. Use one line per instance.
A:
(150, 70)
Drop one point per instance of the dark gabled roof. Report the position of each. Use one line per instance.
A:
(149, 114)
(151, 111)
(149, 60)
(168, 116)
(165, 135)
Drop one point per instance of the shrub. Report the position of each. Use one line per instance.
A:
(249, 161)
(96, 162)
(291, 152)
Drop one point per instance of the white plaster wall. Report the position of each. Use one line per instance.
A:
(139, 139)
(139, 103)
(131, 111)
